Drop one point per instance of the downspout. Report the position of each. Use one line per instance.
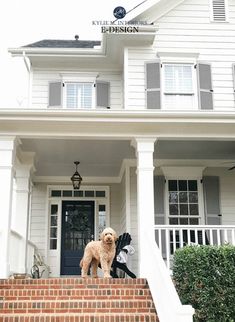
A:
(28, 67)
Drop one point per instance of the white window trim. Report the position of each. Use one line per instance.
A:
(80, 82)
(180, 61)
(79, 77)
(201, 217)
(185, 173)
(226, 13)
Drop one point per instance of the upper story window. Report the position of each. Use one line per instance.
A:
(219, 10)
(79, 94)
(178, 86)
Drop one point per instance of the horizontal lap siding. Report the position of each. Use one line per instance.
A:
(42, 78)
(38, 220)
(187, 29)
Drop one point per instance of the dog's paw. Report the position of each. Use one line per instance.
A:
(107, 276)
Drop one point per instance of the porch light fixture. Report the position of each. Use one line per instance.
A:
(76, 178)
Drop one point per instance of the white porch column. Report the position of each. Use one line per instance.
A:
(7, 156)
(145, 196)
(21, 216)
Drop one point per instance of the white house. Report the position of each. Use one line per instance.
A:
(150, 115)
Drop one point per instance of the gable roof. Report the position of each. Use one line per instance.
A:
(54, 43)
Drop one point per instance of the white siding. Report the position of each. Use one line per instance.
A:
(38, 220)
(41, 79)
(187, 29)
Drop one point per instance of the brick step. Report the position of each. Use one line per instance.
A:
(28, 294)
(4, 283)
(82, 306)
(72, 317)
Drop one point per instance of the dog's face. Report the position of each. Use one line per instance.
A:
(108, 236)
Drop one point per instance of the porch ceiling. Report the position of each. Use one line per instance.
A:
(103, 158)
(55, 157)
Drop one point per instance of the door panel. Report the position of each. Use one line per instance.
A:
(77, 231)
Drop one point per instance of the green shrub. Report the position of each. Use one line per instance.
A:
(204, 277)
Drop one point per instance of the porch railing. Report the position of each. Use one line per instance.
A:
(171, 237)
(17, 248)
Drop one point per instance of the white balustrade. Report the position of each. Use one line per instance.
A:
(171, 237)
(16, 249)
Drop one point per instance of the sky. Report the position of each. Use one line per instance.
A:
(26, 21)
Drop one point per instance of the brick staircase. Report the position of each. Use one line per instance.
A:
(76, 300)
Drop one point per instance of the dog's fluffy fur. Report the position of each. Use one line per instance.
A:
(99, 252)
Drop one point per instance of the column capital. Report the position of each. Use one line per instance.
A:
(9, 143)
(144, 144)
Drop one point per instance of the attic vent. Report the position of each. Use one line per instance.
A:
(218, 10)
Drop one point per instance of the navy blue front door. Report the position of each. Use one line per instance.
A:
(77, 231)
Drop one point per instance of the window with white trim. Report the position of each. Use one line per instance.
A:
(183, 202)
(179, 86)
(79, 95)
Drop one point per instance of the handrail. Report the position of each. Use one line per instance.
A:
(165, 297)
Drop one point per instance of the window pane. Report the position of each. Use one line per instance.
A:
(89, 193)
(173, 221)
(53, 232)
(183, 185)
(193, 221)
(78, 193)
(183, 197)
(100, 193)
(193, 210)
(192, 185)
(172, 185)
(173, 197)
(56, 193)
(184, 210)
(173, 210)
(193, 197)
(54, 220)
(53, 244)
(54, 209)
(183, 221)
(67, 193)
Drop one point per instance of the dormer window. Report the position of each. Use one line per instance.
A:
(219, 10)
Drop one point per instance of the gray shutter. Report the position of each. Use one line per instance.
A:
(159, 210)
(205, 87)
(103, 94)
(212, 200)
(159, 196)
(153, 85)
(55, 94)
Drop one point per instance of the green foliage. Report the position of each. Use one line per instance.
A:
(204, 277)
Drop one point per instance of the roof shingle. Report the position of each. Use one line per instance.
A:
(54, 43)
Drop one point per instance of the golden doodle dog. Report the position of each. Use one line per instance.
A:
(99, 252)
